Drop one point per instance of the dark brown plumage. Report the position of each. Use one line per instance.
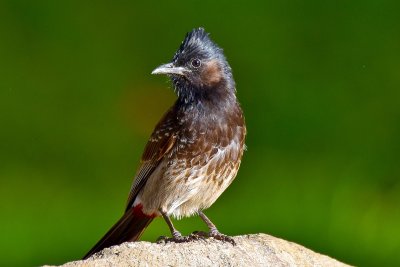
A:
(195, 150)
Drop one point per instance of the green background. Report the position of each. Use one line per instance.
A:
(319, 82)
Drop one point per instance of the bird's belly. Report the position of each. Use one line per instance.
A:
(182, 186)
(203, 192)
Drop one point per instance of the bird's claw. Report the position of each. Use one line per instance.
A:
(196, 235)
(199, 235)
(224, 238)
(182, 239)
(178, 238)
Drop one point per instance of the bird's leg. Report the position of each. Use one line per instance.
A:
(175, 233)
(214, 231)
(177, 237)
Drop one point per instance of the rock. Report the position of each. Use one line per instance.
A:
(250, 250)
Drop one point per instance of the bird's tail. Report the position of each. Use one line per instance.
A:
(129, 228)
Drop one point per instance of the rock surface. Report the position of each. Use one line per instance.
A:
(250, 250)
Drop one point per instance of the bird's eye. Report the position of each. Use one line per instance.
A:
(196, 63)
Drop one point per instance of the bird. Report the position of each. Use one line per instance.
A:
(195, 150)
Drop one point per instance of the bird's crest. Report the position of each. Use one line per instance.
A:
(197, 40)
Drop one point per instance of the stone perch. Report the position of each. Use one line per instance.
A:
(250, 250)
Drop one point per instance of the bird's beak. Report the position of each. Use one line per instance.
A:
(169, 69)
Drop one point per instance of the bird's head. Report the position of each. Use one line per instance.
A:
(199, 69)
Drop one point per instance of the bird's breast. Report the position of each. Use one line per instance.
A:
(206, 147)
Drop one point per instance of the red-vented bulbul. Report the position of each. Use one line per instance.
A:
(194, 152)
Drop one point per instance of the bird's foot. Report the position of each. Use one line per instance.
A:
(218, 236)
(177, 237)
(198, 235)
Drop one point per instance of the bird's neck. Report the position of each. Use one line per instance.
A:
(203, 97)
(207, 109)
(204, 102)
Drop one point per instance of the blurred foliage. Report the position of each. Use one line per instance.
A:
(319, 83)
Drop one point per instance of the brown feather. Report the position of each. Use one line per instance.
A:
(160, 143)
(129, 228)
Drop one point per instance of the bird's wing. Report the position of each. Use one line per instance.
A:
(161, 142)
